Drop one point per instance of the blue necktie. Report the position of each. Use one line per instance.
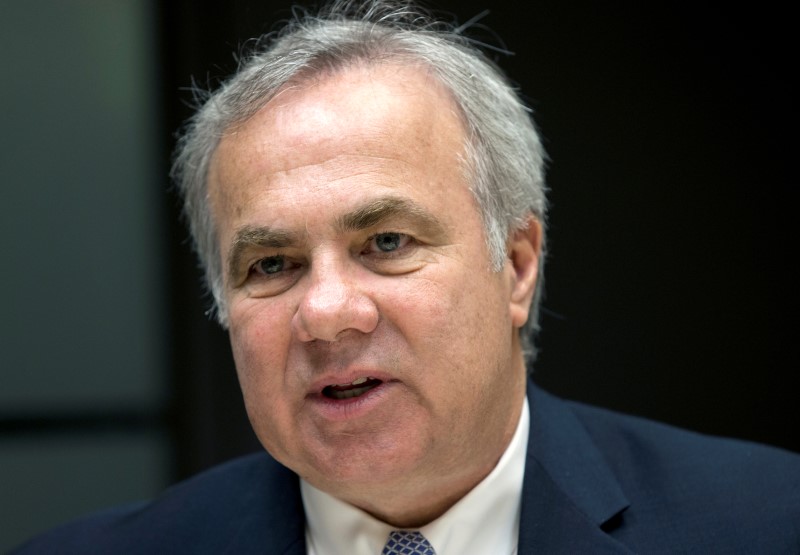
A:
(402, 542)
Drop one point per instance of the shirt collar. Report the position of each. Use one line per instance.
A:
(486, 520)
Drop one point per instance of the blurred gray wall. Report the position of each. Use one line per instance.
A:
(82, 327)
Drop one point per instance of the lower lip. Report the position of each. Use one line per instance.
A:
(354, 407)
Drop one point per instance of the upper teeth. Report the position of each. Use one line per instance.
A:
(358, 381)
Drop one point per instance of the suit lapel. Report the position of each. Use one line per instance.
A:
(274, 520)
(569, 493)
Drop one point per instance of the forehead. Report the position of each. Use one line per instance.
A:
(388, 124)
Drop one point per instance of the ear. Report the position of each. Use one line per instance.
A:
(524, 250)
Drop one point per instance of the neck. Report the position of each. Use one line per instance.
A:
(414, 511)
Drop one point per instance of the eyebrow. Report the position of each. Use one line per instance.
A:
(366, 216)
(260, 237)
(381, 209)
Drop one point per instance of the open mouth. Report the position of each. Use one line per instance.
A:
(349, 390)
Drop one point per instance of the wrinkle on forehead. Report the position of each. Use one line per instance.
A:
(353, 124)
(367, 101)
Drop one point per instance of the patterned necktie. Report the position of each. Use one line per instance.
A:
(402, 542)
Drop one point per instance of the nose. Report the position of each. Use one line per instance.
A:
(333, 303)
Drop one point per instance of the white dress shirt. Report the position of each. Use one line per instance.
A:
(483, 522)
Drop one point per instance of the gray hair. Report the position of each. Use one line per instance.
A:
(503, 156)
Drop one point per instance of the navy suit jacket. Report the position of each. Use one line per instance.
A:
(595, 482)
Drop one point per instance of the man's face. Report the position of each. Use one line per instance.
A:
(376, 348)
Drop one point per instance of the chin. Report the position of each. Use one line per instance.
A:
(358, 466)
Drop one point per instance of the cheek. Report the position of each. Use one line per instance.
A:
(457, 322)
(259, 336)
(260, 346)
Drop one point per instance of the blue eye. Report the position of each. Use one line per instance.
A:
(388, 242)
(270, 265)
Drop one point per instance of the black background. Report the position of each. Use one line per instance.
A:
(671, 277)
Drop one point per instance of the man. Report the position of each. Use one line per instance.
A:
(366, 195)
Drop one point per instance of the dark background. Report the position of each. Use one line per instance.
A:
(670, 281)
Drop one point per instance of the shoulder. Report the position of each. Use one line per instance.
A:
(630, 442)
(697, 485)
(226, 509)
